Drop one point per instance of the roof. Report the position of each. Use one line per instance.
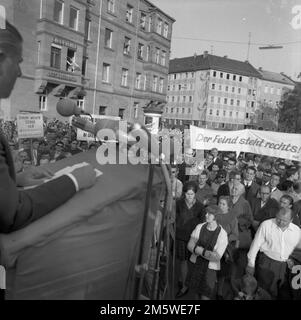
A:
(158, 9)
(209, 61)
(275, 77)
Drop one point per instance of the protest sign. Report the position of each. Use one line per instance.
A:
(273, 144)
(30, 125)
(87, 136)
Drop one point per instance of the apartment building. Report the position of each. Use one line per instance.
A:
(110, 56)
(210, 91)
(271, 87)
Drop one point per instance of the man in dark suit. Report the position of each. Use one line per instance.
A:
(19, 208)
(216, 159)
(263, 208)
(251, 186)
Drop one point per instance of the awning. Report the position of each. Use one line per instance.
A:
(57, 91)
(77, 92)
(40, 86)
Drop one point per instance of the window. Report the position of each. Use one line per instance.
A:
(108, 38)
(214, 73)
(39, 52)
(221, 75)
(165, 30)
(231, 102)
(43, 102)
(190, 98)
(136, 109)
(157, 57)
(126, 45)
(228, 76)
(252, 104)
(183, 110)
(142, 21)
(71, 65)
(111, 6)
(147, 53)
(227, 88)
(121, 113)
(249, 92)
(217, 112)
(262, 116)
(213, 86)
(192, 74)
(278, 91)
(55, 57)
(234, 77)
(210, 112)
(129, 13)
(189, 110)
(81, 103)
(155, 83)
(171, 110)
(219, 100)
(230, 113)
(225, 100)
(224, 113)
(272, 90)
(178, 98)
(88, 29)
(239, 90)
(161, 84)
(106, 72)
(150, 22)
(179, 86)
(266, 89)
(58, 14)
(184, 99)
(212, 99)
(173, 99)
(73, 19)
(236, 114)
(177, 110)
(163, 58)
(220, 87)
(138, 80)
(238, 103)
(159, 26)
(124, 77)
(240, 78)
(84, 65)
(233, 89)
(191, 86)
(140, 51)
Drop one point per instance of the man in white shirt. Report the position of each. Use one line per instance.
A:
(275, 240)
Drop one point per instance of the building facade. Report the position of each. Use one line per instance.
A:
(216, 92)
(110, 56)
(270, 90)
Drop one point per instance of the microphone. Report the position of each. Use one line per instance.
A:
(68, 108)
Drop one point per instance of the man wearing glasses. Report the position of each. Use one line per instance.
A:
(263, 208)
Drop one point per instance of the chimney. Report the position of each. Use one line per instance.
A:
(260, 68)
(194, 55)
(226, 57)
(205, 54)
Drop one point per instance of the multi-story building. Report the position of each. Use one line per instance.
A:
(211, 91)
(111, 56)
(270, 89)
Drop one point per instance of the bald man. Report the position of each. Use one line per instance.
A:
(19, 208)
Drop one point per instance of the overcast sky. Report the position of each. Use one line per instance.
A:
(269, 21)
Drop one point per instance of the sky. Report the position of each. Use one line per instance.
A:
(270, 22)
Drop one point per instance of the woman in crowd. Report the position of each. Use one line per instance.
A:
(189, 213)
(230, 224)
(207, 244)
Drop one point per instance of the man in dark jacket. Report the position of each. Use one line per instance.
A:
(19, 208)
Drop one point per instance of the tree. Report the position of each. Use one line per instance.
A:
(290, 111)
(265, 117)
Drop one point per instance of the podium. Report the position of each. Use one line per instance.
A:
(88, 247)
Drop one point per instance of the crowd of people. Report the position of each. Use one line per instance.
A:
(237, 226)
(59, 142)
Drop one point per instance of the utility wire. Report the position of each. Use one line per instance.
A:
(236, 42)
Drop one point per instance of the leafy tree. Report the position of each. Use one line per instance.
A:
(290, 111)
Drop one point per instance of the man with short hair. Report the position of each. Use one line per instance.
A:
(216, 159)
(224, 189)
(275, 240)
(204, 194)
(263, 208)
(274, 183)
(251, 186)
(19, 208)
(230, 167)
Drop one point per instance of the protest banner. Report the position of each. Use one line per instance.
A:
(273, 144)
(87, 136)
(30, 125)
